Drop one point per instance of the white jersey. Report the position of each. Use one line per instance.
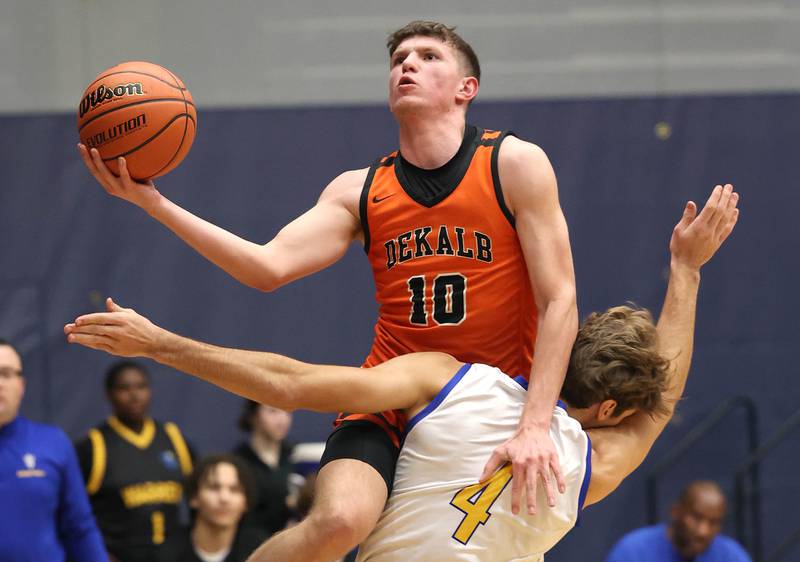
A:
(438, 512)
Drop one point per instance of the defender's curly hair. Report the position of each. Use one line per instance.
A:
(615, 357)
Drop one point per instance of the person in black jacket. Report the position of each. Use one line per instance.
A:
(268, 455)
(220, 491)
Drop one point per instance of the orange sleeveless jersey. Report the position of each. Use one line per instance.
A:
(450, 277)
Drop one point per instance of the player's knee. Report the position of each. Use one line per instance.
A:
(344, 525)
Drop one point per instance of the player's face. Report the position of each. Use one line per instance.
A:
(12, 385)
(130, 395)
(220, 500)
(273, 423)
(697, 522)
(424, 73)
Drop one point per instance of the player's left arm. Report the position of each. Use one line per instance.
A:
(617, 451)
(531, 194)
(407, 382)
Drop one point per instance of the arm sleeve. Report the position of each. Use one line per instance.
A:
(76, 524)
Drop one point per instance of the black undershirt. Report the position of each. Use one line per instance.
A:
(428, 187)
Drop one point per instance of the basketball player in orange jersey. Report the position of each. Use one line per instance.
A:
(471, 256)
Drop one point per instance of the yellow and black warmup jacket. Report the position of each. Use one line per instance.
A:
(135, 484)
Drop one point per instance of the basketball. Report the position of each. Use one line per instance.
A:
(141, 111)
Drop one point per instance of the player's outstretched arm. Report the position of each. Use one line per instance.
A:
(618, 451)
(311, 242)
(405, 383)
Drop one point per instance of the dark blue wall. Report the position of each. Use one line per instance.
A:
(66, 244)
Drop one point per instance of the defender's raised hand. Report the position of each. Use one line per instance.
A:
(696, 238)
(141, 194)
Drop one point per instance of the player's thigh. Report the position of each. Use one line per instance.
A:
(356, 477)
(351, 492)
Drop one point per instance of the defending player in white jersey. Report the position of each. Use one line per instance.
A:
(624, 379)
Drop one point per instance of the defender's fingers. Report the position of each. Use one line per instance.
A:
(722, 205)
(707, 214)
(689, 214)
(108, 318)
(105, 330)
(726, 231)
(89, 340)
(111, 306)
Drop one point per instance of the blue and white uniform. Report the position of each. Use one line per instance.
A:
(438, 512)
(44, 510)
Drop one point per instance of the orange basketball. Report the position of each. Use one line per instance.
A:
(141, 111)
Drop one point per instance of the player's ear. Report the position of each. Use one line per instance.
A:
(606, 410)
(468, 89)
(193, 502)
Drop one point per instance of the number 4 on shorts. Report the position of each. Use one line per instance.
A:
(476, 500)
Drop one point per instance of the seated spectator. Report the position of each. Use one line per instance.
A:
(220, 491)
(44, 511)
(269, 458)
(692, 536)
(134, 468)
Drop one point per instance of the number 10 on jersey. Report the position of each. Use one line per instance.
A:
(446, 300)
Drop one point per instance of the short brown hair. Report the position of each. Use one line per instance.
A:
(441, 32)
(615, 357)
(203, 469)
(249, 409)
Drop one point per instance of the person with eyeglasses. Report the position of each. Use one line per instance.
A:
(44, 509)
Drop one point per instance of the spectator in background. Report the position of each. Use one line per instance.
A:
(693, 534)
(44, 512)
(134, 468)
(269, 458)
(220, 490)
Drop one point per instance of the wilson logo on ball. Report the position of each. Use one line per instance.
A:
(103, 94)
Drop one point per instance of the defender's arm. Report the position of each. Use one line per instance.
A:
(407, 382)
(618, 451)
(311, 242)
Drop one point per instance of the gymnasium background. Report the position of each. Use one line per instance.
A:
(640, 104)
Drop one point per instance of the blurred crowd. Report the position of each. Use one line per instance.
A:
(133, 488)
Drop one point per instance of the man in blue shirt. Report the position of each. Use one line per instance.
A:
(44, 512)
(692, 536)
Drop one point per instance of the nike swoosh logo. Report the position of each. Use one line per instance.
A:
(376, 200)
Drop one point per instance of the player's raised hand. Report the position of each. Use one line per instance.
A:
(141, 194)
(696, 238)
(120, 331)
(533, 459)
